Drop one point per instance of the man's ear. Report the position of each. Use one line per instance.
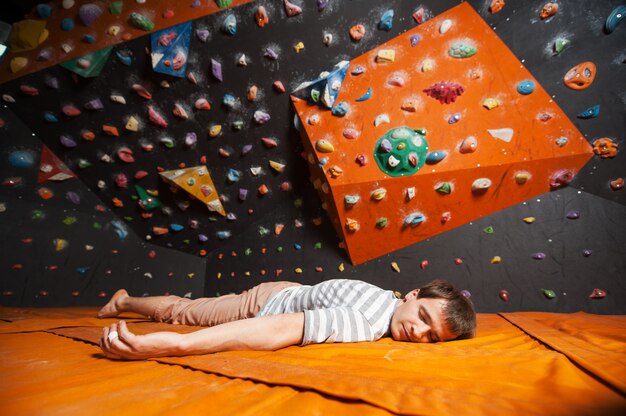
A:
(412, 294)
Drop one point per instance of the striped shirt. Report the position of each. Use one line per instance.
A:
(338, 310)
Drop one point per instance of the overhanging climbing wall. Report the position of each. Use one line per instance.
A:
(431, 130)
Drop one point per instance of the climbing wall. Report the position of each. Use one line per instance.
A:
(439, 127)
(172, 161)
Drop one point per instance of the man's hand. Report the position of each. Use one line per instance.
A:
(128, 346)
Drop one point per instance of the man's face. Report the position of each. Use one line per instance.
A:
(420, 320)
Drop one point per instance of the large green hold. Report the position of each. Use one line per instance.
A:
(401, 151)
(462, 50)
(141, 22)
(224, 3)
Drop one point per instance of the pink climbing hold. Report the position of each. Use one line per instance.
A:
(445, 91)
(156, 118)
(291, 9)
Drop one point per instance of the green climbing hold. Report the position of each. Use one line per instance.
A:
(549, 293)
(223, 3)
(247, 251)
(141, 22)
(315, 95)
(279, 249)
(382, 222)
(263, 231)
(401, 151)
(69, 220)
(146, 201)
(116, 8)
(444, 188)
(488, 230)
(317, 246)
(560, 44)
(462, 50)
(97, 226)
(37, 215)
(83, 163)
(128, 219)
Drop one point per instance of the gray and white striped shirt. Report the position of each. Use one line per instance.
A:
(339, 310)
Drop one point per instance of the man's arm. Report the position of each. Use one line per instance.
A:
(263, 334)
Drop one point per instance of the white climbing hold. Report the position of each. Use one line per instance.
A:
(380, 119)
(505, 134)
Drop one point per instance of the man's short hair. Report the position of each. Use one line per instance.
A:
(460, 316)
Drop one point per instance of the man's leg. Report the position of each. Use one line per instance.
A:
(201, 312)
(219, 310)
(122, 302)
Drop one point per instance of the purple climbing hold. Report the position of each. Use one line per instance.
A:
(415, 39)
(52, 82)
(73, 197)
(203, 238)
(261, 117)
(587, 252)
(573, 215)
(216, 69)
(321, 4)
(246, 149)
(88, 13)
(539, 256)
(466, 293)
(67, 141)
(95, 104)
(45, 54)
(202, 34)
(243, 194)
(270, 53)
(385, 146)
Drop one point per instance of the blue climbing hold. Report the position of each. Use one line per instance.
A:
(365, 96)
(454, 118)
(67, 24)
(591, 112)
(341, 109)
(614, 18)
(89, 39)
(176, 227)
(50, 117)
(124, 58)
(414, 219)
(21, 159)
(230, 24)
(436, 156)
(386, 21)
(526, 87)
(358, 70)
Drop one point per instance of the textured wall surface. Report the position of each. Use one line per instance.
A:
(67, 250)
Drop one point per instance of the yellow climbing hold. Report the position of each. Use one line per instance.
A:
(379, 194)
(341, 267)
(529, 220)
(427, 65)
(18, 63)
(298, 47)
(496, 260)
(324, 146)
(132, 124)
(278, 167)
(298, 270)
(247, 274)
(395, 267)
(490, 103)
(335, 171)
(386, 55)
(219, 275)
(215, 130)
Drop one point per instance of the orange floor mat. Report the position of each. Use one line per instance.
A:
(506, 369)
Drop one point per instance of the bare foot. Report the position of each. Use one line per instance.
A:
(112, 308)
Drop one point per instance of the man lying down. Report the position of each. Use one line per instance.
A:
(275, 315)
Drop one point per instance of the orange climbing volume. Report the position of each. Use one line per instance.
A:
(451, 129)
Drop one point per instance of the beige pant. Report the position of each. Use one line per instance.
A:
(215, 311)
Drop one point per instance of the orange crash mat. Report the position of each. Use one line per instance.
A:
(519, 363)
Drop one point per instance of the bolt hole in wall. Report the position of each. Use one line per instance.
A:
(392, 142)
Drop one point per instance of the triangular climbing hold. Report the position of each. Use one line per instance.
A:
(324, 90)
(51, 168)
(196, 181)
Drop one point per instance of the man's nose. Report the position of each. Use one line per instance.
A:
(419, 332)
